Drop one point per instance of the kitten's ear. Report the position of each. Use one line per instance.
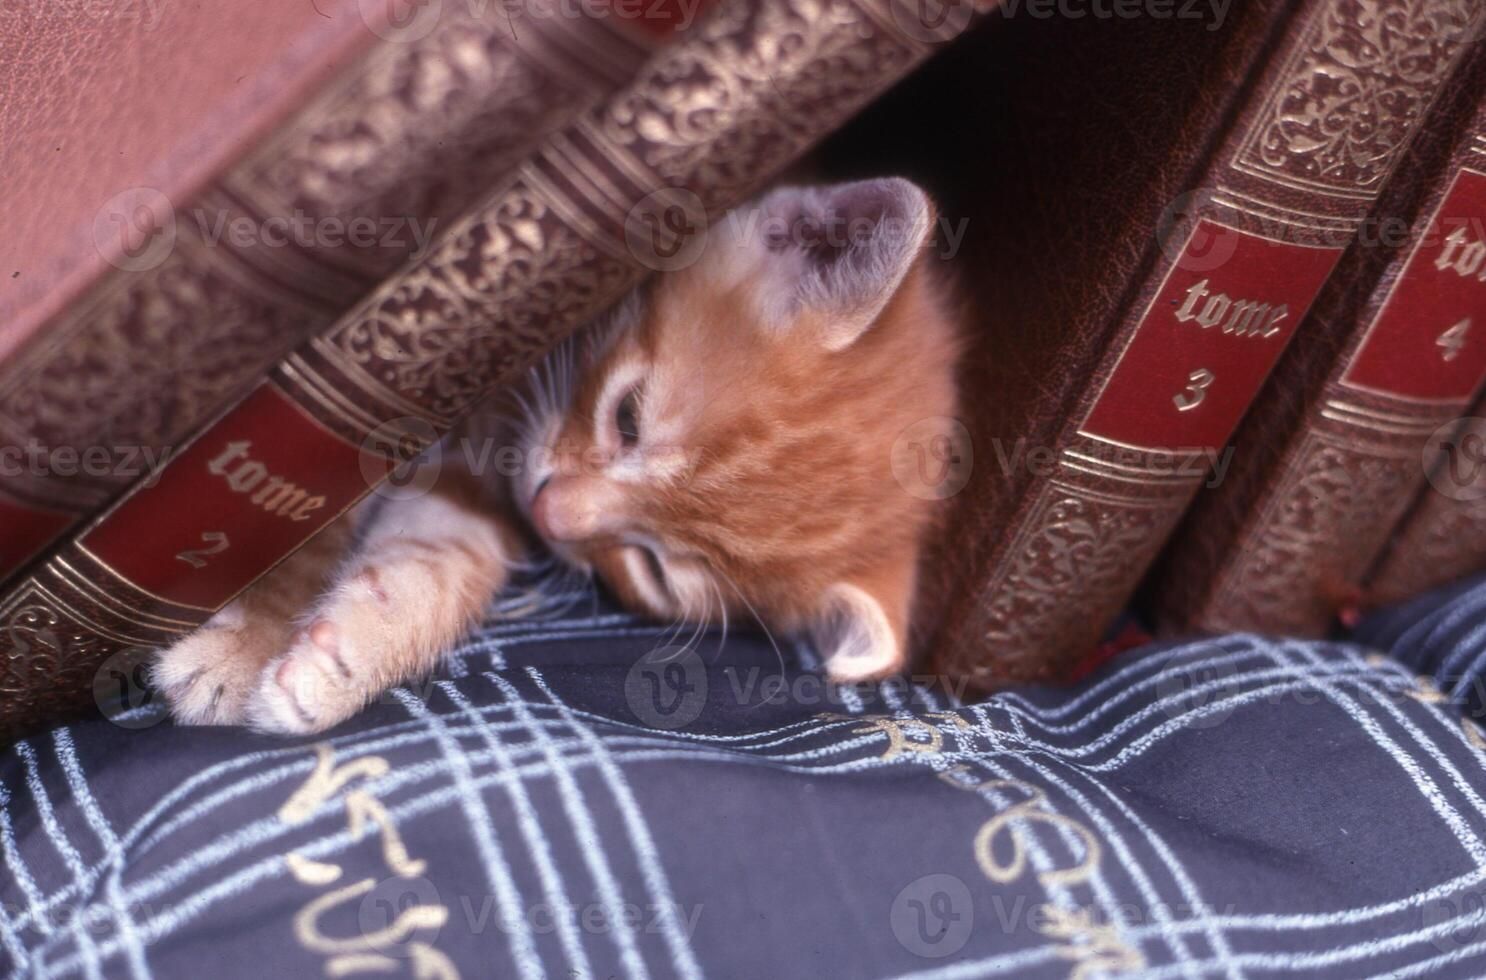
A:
(842, 251)
(861, 628)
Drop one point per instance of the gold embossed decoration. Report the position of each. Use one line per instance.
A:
(1444, 540)
(1333, 485)
(1046, 605)
(141, 366)
(445, 330)
(715, 115)
(1354, 91)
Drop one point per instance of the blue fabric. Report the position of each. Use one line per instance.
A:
(584, 797)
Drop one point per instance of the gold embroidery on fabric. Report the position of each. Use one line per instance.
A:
(308, 871)
(408, 921)
(362, 953)
(1096, 947)
(904, 735)
(1031, 810)
(1102, 950)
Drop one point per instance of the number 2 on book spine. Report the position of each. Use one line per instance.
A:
(216, 543)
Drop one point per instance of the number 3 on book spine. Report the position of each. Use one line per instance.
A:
(1208, 339)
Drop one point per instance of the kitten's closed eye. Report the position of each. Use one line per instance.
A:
(638, 573)
(654, 567)
(627, 418)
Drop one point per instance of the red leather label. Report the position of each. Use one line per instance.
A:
(1208, 340)
(1428, 340)
(25, 530)
(246, 494)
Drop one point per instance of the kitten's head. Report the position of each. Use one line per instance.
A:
(727, 441)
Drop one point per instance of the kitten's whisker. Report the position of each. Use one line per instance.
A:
(526, 409)
(544, 392)
(778, 654)
(554, 590)
(673, 630)
(722, 607)
(701, 624)
(564, 588)
(569, 367)
(557, 371)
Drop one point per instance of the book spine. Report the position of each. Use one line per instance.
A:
(601, 202)
(1288, 182)
(210, 293)
(1442, 538)
(1338, 461)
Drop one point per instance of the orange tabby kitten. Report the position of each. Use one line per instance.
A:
(723, 447)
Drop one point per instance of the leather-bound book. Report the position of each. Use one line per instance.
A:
(1153, 204)
(1335, 448)
(1442, 537)
(600, 202)
(192, 189)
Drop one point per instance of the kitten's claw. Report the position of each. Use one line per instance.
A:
(206, 677)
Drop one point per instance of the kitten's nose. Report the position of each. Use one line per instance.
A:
(569, 508)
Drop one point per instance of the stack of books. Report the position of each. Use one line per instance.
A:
(1228, 268)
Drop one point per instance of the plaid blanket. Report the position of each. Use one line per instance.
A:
(592, 796)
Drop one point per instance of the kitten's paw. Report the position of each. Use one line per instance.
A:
(310, 688)
(369, 634)
(208, 676)
(424, 574)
